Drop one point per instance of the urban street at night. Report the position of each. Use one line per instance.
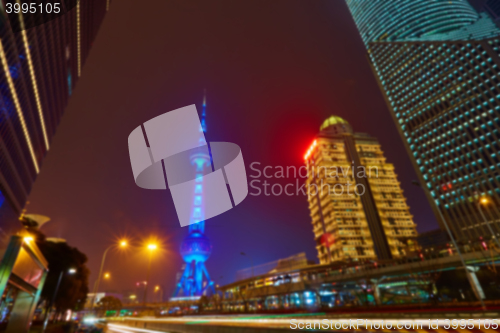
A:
(190, 166)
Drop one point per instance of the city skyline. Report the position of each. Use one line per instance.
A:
(239, 165)
(264, 118)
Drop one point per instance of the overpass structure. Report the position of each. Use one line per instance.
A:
(394, 284)
(414, 280)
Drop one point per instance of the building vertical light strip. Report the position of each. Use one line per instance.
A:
(33, 80)
(78, 38)
(18, 106)
(107, 5)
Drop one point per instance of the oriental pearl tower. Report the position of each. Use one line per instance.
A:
(196, 247)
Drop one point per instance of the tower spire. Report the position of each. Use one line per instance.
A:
(196, 247)
(203, 112)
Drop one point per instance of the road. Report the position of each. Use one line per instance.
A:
(478, 323)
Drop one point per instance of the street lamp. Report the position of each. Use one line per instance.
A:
(47, 315)
(27, 239)
(484, 201)
(151, 247)
(160, 289)
(122, 243)
(251, 260)
(106, 275)
(450, 234)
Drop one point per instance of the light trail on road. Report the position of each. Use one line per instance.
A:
(127, 329)
(345, 325)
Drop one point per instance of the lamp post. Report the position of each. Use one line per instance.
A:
(47, 315)
(472, 283)
(251, 260)
(485, 201)
(151, 248)
(122, 243)
(160, 289)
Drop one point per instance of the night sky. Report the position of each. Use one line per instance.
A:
(273, 71)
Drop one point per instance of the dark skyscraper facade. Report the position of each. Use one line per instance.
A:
(437, 63)
(490, 6)
(39, 69)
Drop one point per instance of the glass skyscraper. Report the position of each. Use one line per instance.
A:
(39, 68)
(436, 62)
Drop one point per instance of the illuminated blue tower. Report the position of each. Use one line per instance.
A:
(196, 247)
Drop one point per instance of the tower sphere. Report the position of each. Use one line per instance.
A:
(197, 247)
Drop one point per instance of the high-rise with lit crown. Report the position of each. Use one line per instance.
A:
(39, 68)
(358, 210)
(437, 64)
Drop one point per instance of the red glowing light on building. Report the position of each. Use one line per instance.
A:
(327, 239)
(310, 150)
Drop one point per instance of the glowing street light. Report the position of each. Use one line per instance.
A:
(28, 239)
(151, 247)
(160, 289)
(122, 243)
(106, 275)
(485, 201)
